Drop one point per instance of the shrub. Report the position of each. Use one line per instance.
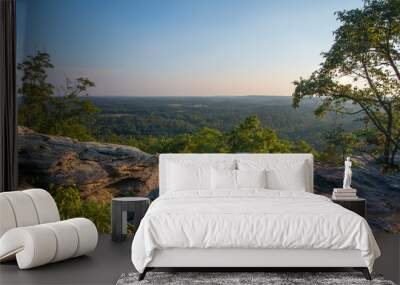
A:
(70, 205)
(68, 201)
(99, 214)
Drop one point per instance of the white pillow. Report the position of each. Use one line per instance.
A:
(183, 177)
(251, 178)
(224, 179)
(281, 175)
(293, 179)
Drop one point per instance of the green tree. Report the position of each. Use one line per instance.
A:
(249, 136)
(338, 145)
(362, 70)
(180, 144)
(302, 146)
(209, 141)
(68, 114)
(35, 91)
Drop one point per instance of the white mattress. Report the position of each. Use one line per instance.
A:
(253, 219)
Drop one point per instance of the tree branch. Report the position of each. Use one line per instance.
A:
(387, 51)
(393, 65)
(373, 87)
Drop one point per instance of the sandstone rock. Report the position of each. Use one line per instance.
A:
(52, 160)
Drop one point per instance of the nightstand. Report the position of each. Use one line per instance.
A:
(120, 208)
(357, 205)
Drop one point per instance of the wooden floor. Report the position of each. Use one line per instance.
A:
(111, 259)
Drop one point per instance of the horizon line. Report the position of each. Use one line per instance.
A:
(183, 96)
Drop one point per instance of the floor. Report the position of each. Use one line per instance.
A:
(104, 266)
(111, 259)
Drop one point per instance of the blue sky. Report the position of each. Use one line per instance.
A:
(180, 47)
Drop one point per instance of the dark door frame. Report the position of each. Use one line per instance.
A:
(8, 100)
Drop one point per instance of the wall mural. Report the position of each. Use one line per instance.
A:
(105, 86)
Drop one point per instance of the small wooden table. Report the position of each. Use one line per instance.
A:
(357, 205)
(120, 207)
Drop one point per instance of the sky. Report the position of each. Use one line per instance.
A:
(180, 47)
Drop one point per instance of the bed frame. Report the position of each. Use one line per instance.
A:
(245, 259)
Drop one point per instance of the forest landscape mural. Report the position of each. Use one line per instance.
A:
(105, 86)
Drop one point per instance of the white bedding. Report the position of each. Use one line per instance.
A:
(251, 218)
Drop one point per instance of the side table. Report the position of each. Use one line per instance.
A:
(357, 205)
(120, 207)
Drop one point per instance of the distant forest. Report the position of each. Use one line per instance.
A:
(123, 117)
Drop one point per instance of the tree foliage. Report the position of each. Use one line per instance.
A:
(68, 113)
(70, 205)
(338, 145)
(362, 69)
(248, 136)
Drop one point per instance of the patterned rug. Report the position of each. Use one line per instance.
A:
(243, 278)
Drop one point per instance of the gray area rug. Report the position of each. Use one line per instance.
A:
(228, 278)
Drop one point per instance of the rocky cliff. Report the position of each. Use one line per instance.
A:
(99, 170)
(381, 191)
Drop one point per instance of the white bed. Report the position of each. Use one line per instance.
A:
(248, 227)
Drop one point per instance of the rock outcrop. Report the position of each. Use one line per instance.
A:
(381, 191)
(96, 168)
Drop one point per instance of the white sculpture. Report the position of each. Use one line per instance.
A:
(347, 174)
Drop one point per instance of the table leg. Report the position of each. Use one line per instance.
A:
(116, 221)
(124, 224)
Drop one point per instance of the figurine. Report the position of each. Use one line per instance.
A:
(347, 174)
